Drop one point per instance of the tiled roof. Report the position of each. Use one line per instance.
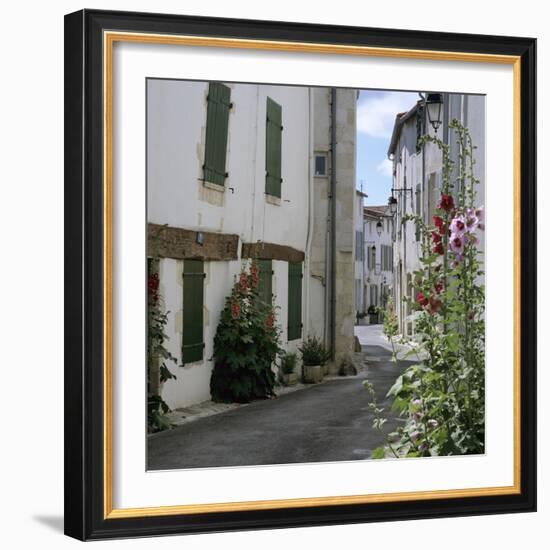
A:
(376, 210)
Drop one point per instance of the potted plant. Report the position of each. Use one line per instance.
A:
(373, 315)
(314, 357)
(362, 318)
(288, 367)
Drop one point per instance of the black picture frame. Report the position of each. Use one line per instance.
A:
(84, 282)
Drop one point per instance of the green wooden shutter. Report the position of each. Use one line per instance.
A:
(193, 300)
(417, 235)
(273, 141)
(265, 282)
(217, 121)
(294, 300)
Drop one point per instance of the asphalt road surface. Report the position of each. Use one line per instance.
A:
(322, 423)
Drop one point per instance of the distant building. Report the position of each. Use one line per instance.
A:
(360, 273)
(378, 255)
(417, 180)
(239, 173)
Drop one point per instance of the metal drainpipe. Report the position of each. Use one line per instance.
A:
(333, 222)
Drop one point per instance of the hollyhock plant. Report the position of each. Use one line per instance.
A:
(441, 398)
(246, 344)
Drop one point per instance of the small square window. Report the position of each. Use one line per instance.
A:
(320, 165)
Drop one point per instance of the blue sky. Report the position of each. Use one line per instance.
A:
(376, 112)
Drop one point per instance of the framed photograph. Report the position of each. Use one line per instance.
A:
(300, 274)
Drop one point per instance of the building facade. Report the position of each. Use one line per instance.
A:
(239, 173)
(378, 256)
(417, 180)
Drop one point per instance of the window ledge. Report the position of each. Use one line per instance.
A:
(214, 186)
(272, 199)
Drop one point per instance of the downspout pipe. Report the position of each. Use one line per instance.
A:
(310, 208)
(333, 223)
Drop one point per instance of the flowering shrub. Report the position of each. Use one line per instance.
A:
(157, 354)
(442, 397)
(246, 344)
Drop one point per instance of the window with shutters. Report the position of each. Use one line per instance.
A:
(217, 126)
(359, 245)
(193, 300)
(294, 300)
(273, 141)
(265, 281)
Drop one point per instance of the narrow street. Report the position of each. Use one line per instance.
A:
(321, 423)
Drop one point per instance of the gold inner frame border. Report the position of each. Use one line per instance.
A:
(109, 39)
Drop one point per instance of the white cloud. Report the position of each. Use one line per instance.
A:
(376, 111)
(385, 168)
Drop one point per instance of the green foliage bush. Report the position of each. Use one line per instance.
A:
(246, 344)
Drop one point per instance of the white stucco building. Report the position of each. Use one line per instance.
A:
(417, 180)
(360, 271)
(237, 172)
(378, 255)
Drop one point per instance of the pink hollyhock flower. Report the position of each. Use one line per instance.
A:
(480, 214)
(458, 225)
(471, 220)
(456, 243)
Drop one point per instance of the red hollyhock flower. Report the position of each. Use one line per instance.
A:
(270, 320)
(438, 249)
(153, 282)
(439, 223)
(446, 203)
(438, 287)
(243, 283)
(435, 304)
(422, 300)
(436, 237)
(254, 276)
(235, 310)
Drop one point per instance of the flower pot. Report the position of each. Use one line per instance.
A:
(313, 374)
(290, 379)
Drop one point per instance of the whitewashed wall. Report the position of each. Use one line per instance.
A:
(177, 197)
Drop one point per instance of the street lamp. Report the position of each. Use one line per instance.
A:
(392, 203)
(434, 103)
(379, 228)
